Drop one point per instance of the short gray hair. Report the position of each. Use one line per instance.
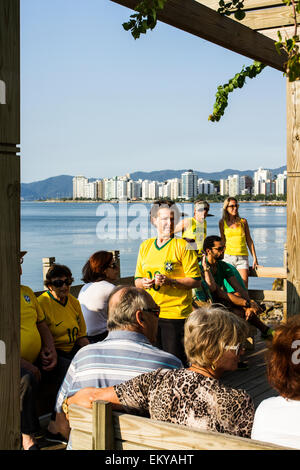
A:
(122, 314)
(207, 332)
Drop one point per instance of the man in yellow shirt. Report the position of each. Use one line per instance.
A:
(194, 229)
(169, 270)
(36, 342)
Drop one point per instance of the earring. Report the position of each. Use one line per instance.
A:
(213, 367)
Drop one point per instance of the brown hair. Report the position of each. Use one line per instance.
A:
(283, 365)
(94, 268)
(225, 211)
(57, 270)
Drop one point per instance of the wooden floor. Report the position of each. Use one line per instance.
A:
(254, 380)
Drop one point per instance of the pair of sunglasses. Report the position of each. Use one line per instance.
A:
(61, 282)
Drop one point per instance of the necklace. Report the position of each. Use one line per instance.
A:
(203, 371)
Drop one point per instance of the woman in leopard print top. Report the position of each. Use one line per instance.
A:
(193, 397)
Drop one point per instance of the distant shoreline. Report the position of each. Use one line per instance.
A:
(263, 203)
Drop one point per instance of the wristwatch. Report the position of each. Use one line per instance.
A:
(65, 406)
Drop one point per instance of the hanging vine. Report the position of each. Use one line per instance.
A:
(146, 18)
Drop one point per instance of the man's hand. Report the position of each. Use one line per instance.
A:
(84, 397)
(147, 283)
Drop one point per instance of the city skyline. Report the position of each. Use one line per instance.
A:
(99, 98)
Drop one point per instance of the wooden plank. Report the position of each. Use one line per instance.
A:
(248, 4)
(10, 72)
(169, 436)
(269, 18)
(268, 295)
(275, 272)
(103, 432)
(10, 301)
(197, 19)
(286, 32)
(293, 199)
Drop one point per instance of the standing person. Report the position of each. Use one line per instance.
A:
(99, 273)
(36, 343)
(65, 320)
(194, 229)
(277, 419)
(169, 270)
(235, 234)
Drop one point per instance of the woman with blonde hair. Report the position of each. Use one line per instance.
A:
(192, 396)
(235, 234)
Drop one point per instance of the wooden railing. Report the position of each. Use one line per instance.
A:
(255, 294)
(101, 428)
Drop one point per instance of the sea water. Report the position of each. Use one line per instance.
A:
(71, 232)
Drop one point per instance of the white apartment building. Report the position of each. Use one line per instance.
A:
(260, 176)
(79, 183)
(281, 184)
(189, 184)
(234, 185)
(175, 188)
(224, 189)
(153, 190)
(145, 189)
(205, 187)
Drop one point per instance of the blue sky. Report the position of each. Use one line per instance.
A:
(98, 103)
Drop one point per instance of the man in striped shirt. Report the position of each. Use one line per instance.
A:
(126, 352)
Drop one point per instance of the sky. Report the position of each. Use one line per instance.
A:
(95, 102)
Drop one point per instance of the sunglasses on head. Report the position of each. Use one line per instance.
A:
(61, 282)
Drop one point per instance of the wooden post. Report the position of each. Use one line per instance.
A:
(47, 263)
(103, 433)
(10, 224)
(293, 199)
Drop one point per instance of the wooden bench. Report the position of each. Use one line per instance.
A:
(101, 428)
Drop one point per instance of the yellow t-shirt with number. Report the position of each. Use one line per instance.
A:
(174, 260)
(31, 314)
(65, 322)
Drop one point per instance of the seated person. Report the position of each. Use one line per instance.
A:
(65, 320)
(192, 396)
(36, 342)
(277, 419)
(221, 283)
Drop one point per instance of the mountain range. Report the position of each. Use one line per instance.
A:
(61, 186)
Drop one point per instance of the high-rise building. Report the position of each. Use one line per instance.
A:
(281, 184)
(205, 187)
(189, 184)
(224, 188)
(260, 176)
(233, 185)
(79, 183)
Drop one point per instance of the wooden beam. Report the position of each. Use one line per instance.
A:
(10, 224)
(197, 19)
(269, 18)
(248, 4)
(293, 199)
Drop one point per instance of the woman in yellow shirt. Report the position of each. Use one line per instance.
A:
(65, 320)
(235, 234)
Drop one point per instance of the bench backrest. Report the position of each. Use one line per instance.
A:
(104, 429)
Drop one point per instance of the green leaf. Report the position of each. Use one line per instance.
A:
(239, 15)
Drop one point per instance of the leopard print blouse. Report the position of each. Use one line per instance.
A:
(185, 397)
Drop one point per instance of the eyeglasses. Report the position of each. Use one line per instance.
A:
(233, 205)
(220, 248)
(155, 311)
(61, 282)
(202, 210)
(236, 348)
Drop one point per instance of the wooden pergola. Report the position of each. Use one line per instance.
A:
(253, 37)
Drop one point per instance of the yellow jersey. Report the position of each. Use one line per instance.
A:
(236, 244)
(31, 314)
(196, 231)
(65, 322)
(174, 260)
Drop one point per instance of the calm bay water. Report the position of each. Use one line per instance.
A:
(71, 232)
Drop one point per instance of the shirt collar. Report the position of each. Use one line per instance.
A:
(127, 334)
